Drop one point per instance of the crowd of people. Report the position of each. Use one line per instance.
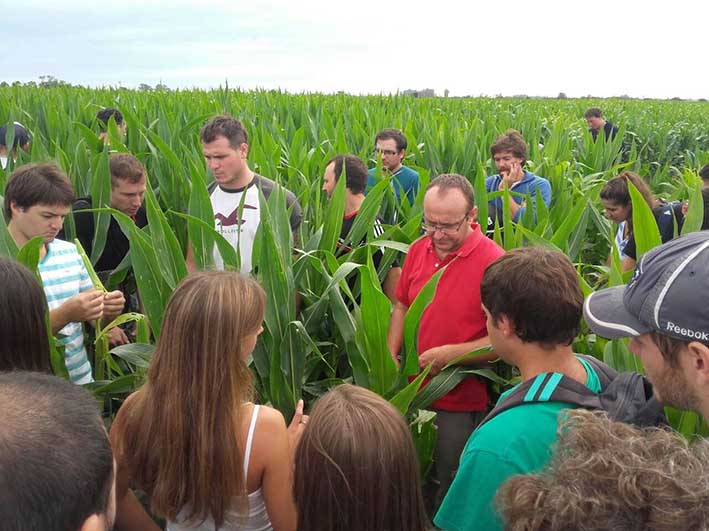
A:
(575, 445)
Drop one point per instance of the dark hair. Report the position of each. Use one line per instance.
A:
(22, 136)
(704, 172)
(56, 460)
(225, 126)
(617, 191)
(538, 290)
(125, 167)
(34, 184)
(671, 347)
(593, 112)
(355, 172)
(392, 134)
(356, 467)
(104, 115)
(449, 181)
(511, 141)
(611, 475)
(705, 200)
(25, 343)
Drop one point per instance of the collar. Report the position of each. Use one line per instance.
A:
(254, 180)
(469, 245)
(350, 215)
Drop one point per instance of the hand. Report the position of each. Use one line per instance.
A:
(297, 426)
(86, 306)
(434, 357)
(116, 336)
(512, 175)
(113, 303)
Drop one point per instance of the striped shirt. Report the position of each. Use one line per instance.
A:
(63, 277)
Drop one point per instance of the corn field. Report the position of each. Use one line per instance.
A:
(338, 332)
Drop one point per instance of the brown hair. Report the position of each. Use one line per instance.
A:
(125, 167)
(538, 290)
(355, 172)
(511, 141)
(225, 126)
(34, 184)
(610, 475)
(25, 343)
(180, 431)
(617, 191)
(671, 347)
(593, 112)
(450, 181)
(356, 466)
(704, 172)
(392, 134)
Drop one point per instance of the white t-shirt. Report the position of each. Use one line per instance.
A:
(238, 224)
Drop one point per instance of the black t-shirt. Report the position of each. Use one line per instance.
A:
(117, 244)
(665, 216)
(347, 223)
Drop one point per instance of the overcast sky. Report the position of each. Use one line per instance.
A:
(542, 47)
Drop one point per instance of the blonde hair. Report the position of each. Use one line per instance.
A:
(180, 434)
(610, 475)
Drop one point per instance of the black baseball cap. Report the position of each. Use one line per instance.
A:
(668, 293)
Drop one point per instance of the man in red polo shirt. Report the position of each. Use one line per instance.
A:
(453, 324)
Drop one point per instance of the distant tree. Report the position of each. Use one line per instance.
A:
(48, 81)
(161, 86)
(144, 87)
(445, 93)
(562, 96)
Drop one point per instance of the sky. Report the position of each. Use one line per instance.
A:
(602, 48)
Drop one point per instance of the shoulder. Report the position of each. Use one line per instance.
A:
(62, 247)
(410, 172)
(491, 179)
(267, 186)
(82, 203)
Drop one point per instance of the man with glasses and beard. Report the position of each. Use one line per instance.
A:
(453, 324)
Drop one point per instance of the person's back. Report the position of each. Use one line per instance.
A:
(190, 437)
(533, 303)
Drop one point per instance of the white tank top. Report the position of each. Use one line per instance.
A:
(256, 520)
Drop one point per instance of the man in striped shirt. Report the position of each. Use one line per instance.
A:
(37, 199)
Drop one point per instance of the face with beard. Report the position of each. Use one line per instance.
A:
(672, 385)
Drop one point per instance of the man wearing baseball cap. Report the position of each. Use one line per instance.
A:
(664, 309)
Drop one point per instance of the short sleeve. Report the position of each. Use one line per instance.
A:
(402, 286)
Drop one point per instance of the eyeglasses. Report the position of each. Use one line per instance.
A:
(387, 152)
(447, 228)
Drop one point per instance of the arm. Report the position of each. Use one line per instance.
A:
(277, 479)
(130, 514)
(86, 306)
(541, 188)
(189, 259)
(443, 355)
(395, 335)
(390, 281)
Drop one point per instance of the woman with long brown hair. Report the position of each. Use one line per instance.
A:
(618, 207)
(190, 437)
(356, 467)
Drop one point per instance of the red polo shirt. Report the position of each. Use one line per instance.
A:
(455, 314)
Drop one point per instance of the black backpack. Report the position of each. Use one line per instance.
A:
(626, 397)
